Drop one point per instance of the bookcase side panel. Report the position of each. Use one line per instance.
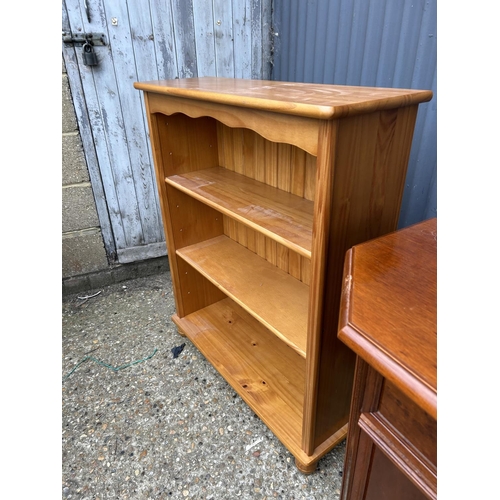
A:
(191, 222)
(370, 167)
(196, 292)
(182, 144)
(327, 139)
(186, 144)
(154, 131)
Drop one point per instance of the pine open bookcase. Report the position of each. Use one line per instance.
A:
(263, 188)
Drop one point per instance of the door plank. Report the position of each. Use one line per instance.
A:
(82, 115)
(185, 45)
(223, 35)
(164, 39)
(131, 50)
(204, 38)
(242, 39)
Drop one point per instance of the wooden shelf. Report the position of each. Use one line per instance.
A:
(268, 375)
(282, 216)
(270, 295)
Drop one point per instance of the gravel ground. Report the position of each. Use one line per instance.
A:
(163, 427)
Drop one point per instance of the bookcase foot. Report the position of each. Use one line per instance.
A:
(305, 469)
(180, 332)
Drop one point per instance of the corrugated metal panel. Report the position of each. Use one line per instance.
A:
(384, 43)
(150, 40)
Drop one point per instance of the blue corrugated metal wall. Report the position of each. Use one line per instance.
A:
(384, 43)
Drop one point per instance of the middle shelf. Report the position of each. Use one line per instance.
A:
(273, 297)
(283, 217)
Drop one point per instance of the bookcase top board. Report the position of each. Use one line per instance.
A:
(302, 99)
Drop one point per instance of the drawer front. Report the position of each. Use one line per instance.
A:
(414, 427)
(401, 430)
(391, 441)
(386, 481)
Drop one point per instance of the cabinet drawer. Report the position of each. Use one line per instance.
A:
(405, 434)
(414, 426)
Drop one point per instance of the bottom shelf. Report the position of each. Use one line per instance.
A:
(265, 372)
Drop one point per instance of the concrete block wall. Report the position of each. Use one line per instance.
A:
(85, 265)
(82, 244)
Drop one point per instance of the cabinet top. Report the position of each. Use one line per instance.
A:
(389, 310)
(304, 99)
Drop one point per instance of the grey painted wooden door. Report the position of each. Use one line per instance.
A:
(149, 40)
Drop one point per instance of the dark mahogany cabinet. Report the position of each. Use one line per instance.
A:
(388, 318)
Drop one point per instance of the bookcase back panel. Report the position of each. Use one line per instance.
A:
(287, 260)
(278, 164)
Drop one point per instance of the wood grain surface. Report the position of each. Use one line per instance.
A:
(265, 372)
(272, 125)
(390, 314)
(303, 99)
(270, 295)
(281, 216)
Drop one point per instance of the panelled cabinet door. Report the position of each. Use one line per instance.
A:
(160, 40)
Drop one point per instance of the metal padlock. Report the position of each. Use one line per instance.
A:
(89, 56)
